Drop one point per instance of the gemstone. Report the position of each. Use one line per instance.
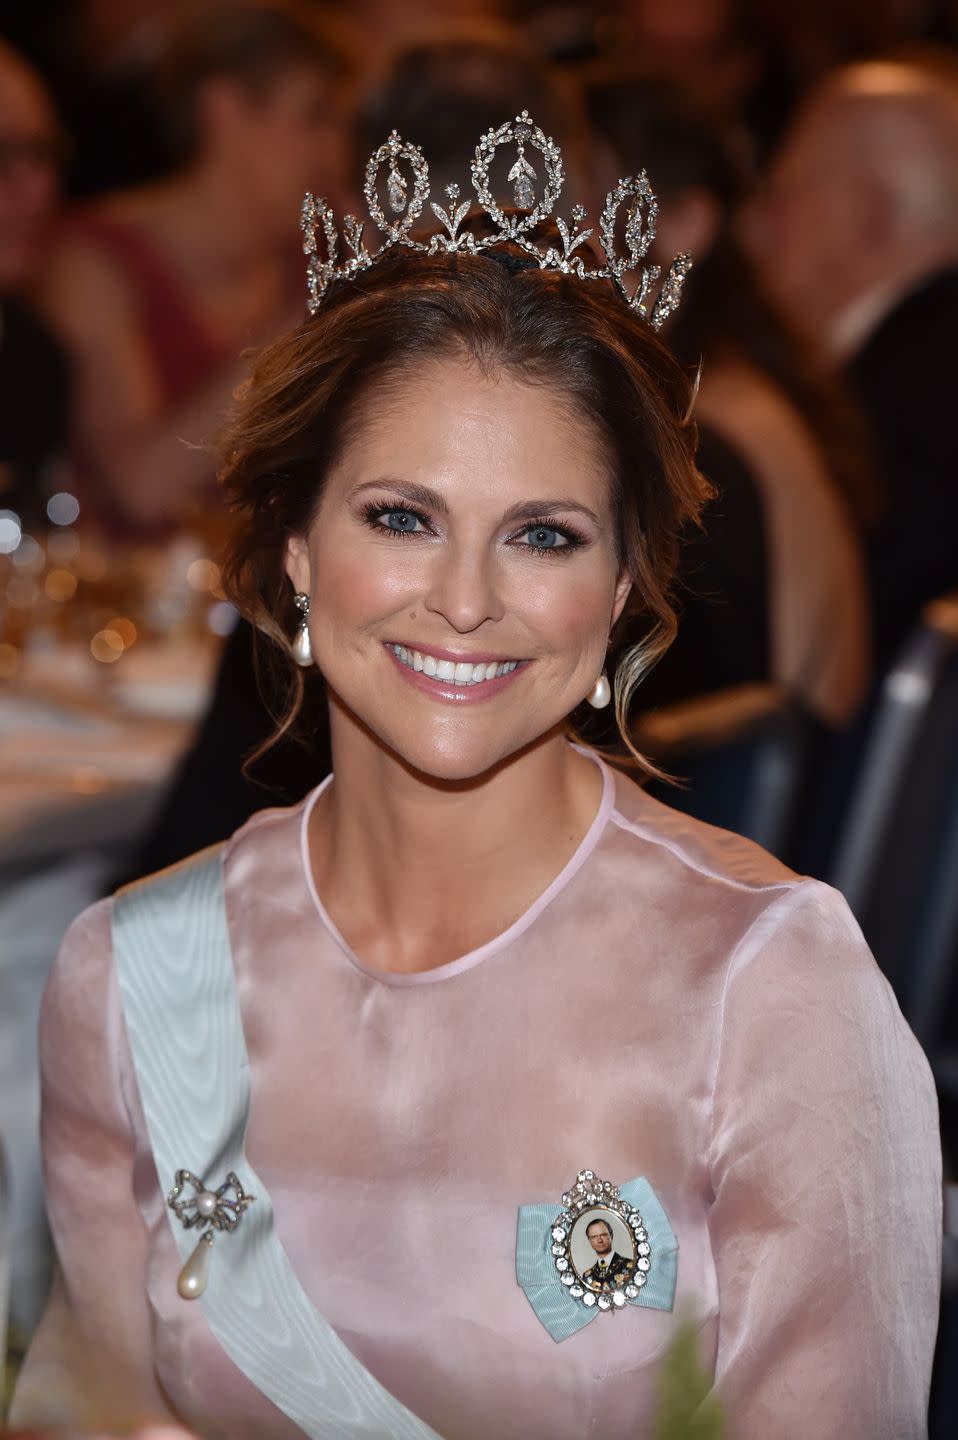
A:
(605, 1302)
(588, 1298)
(618, 1298)
(631, 1291)
(558, 1233)
(567, 1199)
(562, 1264)
(640, 1280)
(644, 1249)
(523, 193)
(643, 1263)
(568, 1278)
(577, 1292)
(558, 1249)
(641, 1234)
(396, 190)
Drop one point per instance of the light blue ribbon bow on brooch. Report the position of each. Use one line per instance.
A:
(562, 1315)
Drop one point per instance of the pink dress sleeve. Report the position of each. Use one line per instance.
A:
(90, 1363)
(826, 1171)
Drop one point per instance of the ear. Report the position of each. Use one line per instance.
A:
(297, 564)
(623, 588)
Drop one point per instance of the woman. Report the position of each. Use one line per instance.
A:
(759, 393)
(158, 291)
(476, 978)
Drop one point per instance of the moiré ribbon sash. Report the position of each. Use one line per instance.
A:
(177, 985)
(561, 1315)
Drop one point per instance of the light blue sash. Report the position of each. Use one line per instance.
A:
(178, 989)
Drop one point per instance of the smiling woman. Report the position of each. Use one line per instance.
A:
(393, 1021)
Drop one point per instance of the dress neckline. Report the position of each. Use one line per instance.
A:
(499, 942)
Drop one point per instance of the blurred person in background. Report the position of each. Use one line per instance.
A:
(857, 231)
(758, 393)
(34, 375)
(158, 291)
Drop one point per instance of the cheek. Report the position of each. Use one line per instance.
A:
(573, 610)
(360, 585)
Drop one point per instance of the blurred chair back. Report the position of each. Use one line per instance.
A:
(897, 858)
(740, 756)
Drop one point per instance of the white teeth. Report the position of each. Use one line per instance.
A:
(460, 672)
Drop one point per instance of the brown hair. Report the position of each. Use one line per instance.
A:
(505, 314)
(253, 42)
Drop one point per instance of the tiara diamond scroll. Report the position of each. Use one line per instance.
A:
(407, 191)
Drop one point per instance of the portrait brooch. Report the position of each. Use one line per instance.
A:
(607, 1247)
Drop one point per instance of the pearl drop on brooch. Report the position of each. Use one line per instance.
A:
(192, 1279)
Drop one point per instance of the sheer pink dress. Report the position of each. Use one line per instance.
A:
(676, 1005)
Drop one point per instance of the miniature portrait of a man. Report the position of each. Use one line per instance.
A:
(610, 1270)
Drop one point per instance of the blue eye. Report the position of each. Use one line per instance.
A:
(402, 520)
(546, 537)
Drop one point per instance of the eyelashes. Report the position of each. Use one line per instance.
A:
(375, 513)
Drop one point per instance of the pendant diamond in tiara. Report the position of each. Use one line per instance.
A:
(407, 194)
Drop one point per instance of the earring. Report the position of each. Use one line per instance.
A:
(302, 648)
(601, 693)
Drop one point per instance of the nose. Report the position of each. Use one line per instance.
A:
(464, 587)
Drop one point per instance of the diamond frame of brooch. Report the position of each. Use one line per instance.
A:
(591, 1193)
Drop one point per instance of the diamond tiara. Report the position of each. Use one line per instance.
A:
(407, 190)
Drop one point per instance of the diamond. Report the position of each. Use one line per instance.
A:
(588, 1298)
(396, 189)
(562, 1264)
(605, 1302)
(640, 1280)
(643, 1263)
(644, 1249)
(558, 1233)
(523, 193)
(568, 1278)
(631, 1291)
(558, 1249)
(577, 1292)
(618, 1298)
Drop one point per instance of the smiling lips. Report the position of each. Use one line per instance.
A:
(463, 673)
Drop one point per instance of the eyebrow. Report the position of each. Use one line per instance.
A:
(432, 500)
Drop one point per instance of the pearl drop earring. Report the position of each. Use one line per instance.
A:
(302, 648)
(601, 693)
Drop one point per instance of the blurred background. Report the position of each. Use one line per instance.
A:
(153, 159)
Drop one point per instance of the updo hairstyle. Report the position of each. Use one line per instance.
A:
(508, 317)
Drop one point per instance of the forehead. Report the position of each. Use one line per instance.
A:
(448, 422)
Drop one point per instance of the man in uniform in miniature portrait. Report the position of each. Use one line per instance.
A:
(611, 1270)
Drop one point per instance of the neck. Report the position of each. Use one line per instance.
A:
(416, 872)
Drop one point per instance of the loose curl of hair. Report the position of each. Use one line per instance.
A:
(576, 339)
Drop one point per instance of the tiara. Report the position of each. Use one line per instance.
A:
(407, 190)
